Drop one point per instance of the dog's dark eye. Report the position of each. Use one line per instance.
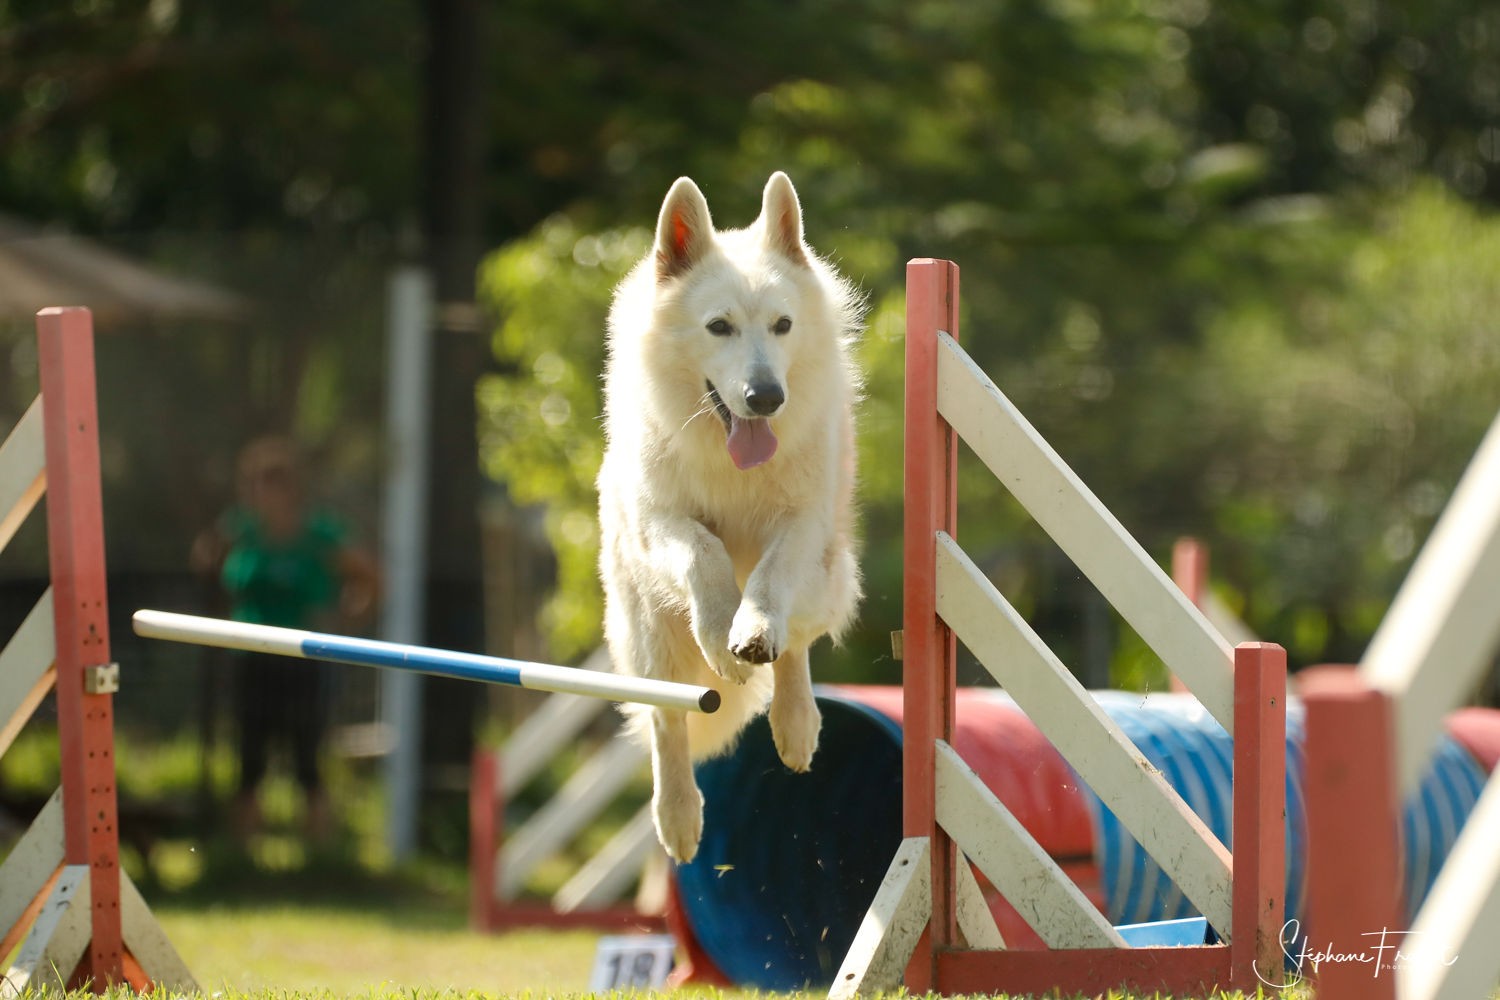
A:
(720, 328)
(782, 325)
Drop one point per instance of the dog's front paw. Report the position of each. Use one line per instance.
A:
(754, 637)
(732, 668)
(794, 729)
(679, 822)
(724, 663)
(715, 645)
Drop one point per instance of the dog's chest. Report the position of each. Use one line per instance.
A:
(746, 530)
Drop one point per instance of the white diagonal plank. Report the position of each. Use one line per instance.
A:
(596, 783)
(1082, 527)
(150, 944)
(56, 941)
(1439, 636)
(976, 922)
(1452, 941)
(31, 863)
(887, 936)
(607, 875)
(553, 725)
(991, 836)
(1084, 734)
(23, 471)
(26, 671)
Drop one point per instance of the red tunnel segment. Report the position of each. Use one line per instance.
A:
(1015, 761)
(1477, 730)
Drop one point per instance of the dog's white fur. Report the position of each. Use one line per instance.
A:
(710, 570)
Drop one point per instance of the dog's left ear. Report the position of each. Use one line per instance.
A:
(684, 230)
(781, 218)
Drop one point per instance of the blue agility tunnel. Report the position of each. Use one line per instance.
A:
(790, 862)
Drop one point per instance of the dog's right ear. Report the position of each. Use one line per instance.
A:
(684, 229)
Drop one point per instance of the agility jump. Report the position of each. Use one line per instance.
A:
(69, 913)
(441, 662)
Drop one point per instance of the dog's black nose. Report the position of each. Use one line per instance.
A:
(764, 398)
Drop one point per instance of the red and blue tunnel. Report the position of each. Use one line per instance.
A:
(790, 862)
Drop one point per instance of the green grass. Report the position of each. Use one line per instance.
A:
(307, 949)
(326, 932)
(277, 952)
(331, 931)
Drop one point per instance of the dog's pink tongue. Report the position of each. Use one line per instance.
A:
(751, 442)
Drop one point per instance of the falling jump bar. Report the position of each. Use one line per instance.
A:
(444, 663)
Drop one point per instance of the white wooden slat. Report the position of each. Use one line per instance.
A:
(149, 943)
(1460, 919)
(1438, 636)
(991, 836)
(23, 471)
(586, 792)
(26, 672)
(888, 934)
(36, 858)
(976, 922)
(554, 724)
(57, 940)
(1230, 625)
(1084, 734)
(1086, 531)
(606, 876)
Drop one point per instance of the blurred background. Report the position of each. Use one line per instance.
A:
(1239, 262)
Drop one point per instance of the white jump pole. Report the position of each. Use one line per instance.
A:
(445, 663)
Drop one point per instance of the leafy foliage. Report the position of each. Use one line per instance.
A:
(541, 419)
(1202, 246)
(1351, 399)
(1196, 342)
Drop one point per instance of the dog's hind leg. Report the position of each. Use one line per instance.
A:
(676, 803)
(794, 713)
(645, 643)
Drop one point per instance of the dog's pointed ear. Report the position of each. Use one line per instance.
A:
(683, 230)
(781, 218)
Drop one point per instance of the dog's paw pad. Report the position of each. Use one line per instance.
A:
(756, 637)
(755, 649)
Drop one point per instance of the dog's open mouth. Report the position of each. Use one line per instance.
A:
(750, 440)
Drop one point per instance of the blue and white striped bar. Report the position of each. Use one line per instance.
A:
(444, 663)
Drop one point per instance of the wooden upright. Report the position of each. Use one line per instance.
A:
(63, 899)
(930, 925)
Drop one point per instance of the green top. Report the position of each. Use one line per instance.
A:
(281, 583)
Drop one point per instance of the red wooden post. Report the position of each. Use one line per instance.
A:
(1259, 814)
(75, 535)
(931, 449)
(484, 836)
(1190, 568)
(1353, 857)
(1190, 573)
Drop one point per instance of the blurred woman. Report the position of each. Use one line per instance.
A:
(286, 562)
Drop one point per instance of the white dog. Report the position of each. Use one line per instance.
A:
(726, 492)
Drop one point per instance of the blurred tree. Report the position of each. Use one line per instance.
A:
(1344, 397)
(1054, 168)
(1063, 155)
(1373, 92)
(1123, 182)
(135, 115)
